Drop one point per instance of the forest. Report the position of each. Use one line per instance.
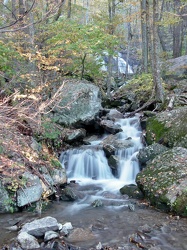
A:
(93, 126)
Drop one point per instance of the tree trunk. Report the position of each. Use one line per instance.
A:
(69, 9)
(159, 92)
(144, 35)
(177, 32)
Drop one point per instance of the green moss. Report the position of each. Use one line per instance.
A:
(155, 131)
(55, 163)
(180, 205)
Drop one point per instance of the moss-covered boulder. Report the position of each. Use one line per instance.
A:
(168, 128)
(164, 181)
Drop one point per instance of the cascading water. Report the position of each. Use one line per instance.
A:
(89, 164)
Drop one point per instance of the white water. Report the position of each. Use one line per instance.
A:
(88, 164)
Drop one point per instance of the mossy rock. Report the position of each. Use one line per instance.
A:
(164, 181)
(168, 128)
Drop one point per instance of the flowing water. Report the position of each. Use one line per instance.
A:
(90, 176)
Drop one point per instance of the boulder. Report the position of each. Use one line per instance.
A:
(79, 104)
(27, 241)
(39, 227)
(5, 204)
(113, 115)
(148, 153)
(112, 143)
(132, 191)
(75, 135)
(59, 176)
(31, 192)
(176, 67)
(168, 128)
(164, 180)
(68, 194)
(50, 235)
(110, 126)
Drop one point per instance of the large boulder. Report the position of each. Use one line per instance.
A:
(148, 153)
(79, 104)
(30, 193)
(176, 67)
(5, 204)
(164, 180)
(39, 227)
(168, 128)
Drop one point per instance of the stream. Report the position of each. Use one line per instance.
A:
(101, 211)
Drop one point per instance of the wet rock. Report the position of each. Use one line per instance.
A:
(97, 203)
(112, 142)
(31, 192)
(68, 193)
(148, 153)
(27, 241)
(50, 235)
(39, 227)
(110, 126)
(164, 180)
(80, 104)
(132, 191)
(80, 234)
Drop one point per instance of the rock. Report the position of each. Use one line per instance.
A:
(97, 203)
(80, 104)
(80, 234)
(114, 114)
(113, 162)
(132, 191)
(164, 180)
(112, 142)
(35, 145)
(176, 67)
(50, 235)
(27, 241)
(69, 194)
(148, 153)
(168, 128)
(66, 228)
(59, 176)
(39, 227)
(5, 205)
(75, 135)
(31, 192)
(110, 126)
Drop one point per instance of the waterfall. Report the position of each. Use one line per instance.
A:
(89, 163)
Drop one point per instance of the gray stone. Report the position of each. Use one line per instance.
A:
(177, 67)
(168, 128)
(148, 153)
(75, 135)
(112, 143)
(69, 194)
(50, 235)
(39, 227)
(59, 176)
(31, 192)
(164, 180)
(27, 241)
(110, 126)
(80, 103)
(4, 199)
